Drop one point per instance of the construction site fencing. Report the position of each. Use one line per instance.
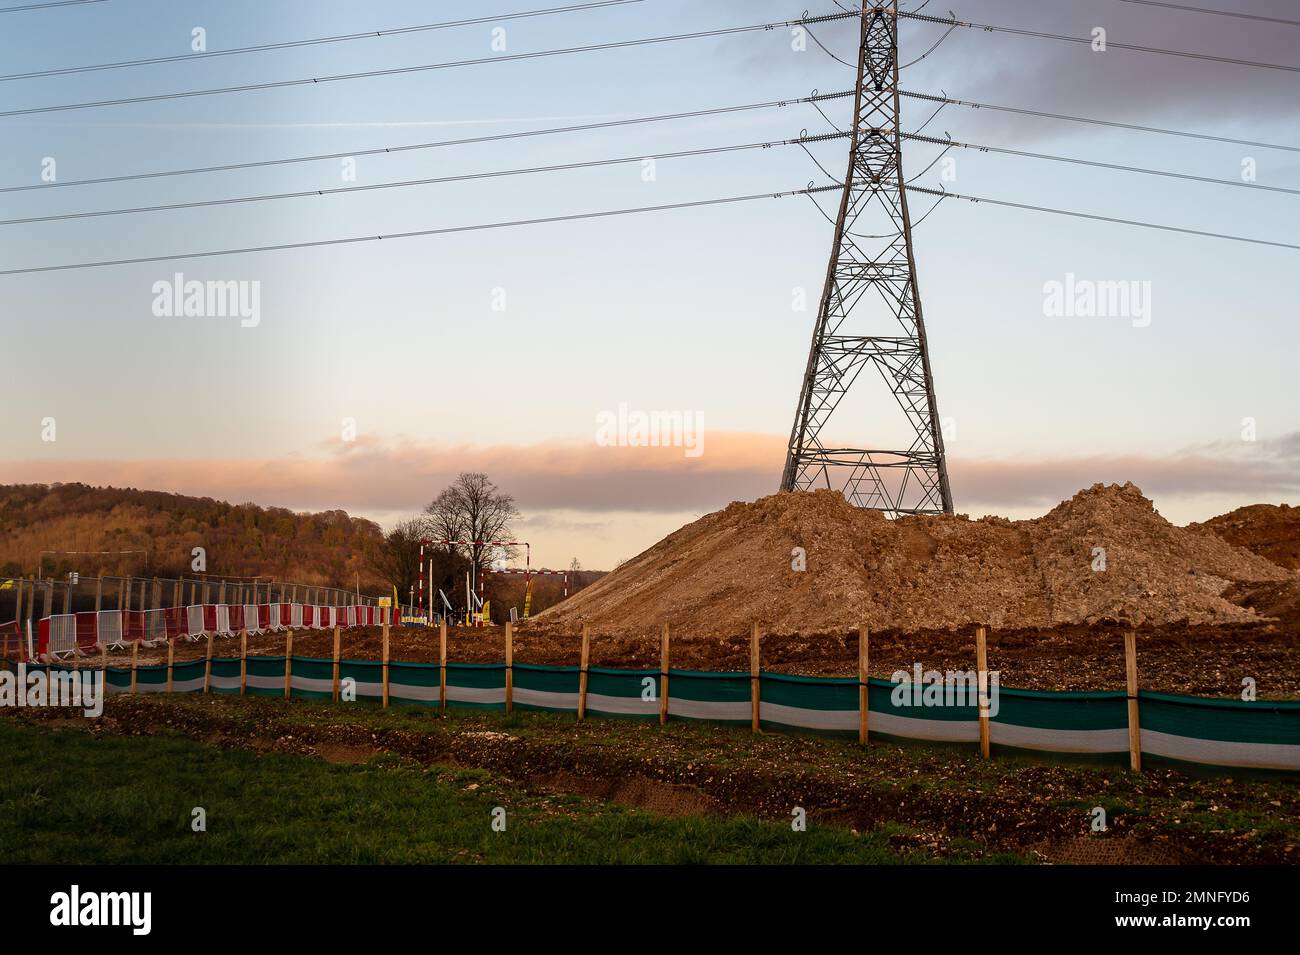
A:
(1130, 726)
(26, 600)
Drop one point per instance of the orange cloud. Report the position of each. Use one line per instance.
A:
(399, 475)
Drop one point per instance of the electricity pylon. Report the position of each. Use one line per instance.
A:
(871, 288)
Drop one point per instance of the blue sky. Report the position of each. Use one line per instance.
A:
(679, 310)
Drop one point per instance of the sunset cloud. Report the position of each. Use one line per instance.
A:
(395, 476)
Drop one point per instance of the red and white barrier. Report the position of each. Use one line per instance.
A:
(109, 632)
(60, 636)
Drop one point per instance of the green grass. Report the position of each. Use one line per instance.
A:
(69, 797)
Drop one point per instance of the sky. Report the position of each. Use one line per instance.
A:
(373, 372)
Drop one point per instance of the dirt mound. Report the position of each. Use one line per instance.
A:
(1270, 530)
(1104, 555)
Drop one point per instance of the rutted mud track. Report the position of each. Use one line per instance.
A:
(938, 795)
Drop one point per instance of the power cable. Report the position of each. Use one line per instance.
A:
(1220, 13)
(1098, 122)
(294, 44)
(1016, 31)
(480, 227)
(47, 6)
(439, 180)
(425, 67)
(472, 140)
(609, 213)
(1100, 218)
(937, 141)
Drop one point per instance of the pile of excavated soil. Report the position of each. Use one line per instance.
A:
(716, 576)
(1270, 530)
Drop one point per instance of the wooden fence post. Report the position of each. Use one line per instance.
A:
(335, 696)
(99, 592)
(171, 660)
(663, 675)
(207, 666)
(754, 689)
(510, 667)
(385, 665)
(982, 675)
(1134, 722)
(135, 657)
(243, 662)
(442, 665)
(582, 671)
(288, 665)
(864, 705)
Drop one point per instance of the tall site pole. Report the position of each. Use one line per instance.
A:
(870, 314)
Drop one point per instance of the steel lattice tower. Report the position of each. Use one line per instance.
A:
(870, 280)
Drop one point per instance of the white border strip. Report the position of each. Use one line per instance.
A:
(735, 710)
(801, 717)
(1059, 741)
(474, 694)
(1213, 752)
(417, 693)
(622, 705)
(548, 699)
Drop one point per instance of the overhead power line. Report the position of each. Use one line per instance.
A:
(472, 140)
(438, 180)
(1097, 122)
(1220, 13)
(1099, 218)
(480, 227)
(623, 160)
(424, 67)
(1110, 44)
(938, 141)
(611, 213)
(48, 6)
(317, 41)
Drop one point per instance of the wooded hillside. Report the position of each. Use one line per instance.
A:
(327, 549)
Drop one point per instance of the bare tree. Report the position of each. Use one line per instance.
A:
(473, 506)
(445, 517)
(397, 555)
